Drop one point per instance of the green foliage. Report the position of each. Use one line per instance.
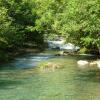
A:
(82, 50)
(17, 21)
(78, 21)
(30, 20)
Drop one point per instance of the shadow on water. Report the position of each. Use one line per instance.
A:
(9, 84)
(14, 73)
(25, 62)
(89, 76)
(87, 57)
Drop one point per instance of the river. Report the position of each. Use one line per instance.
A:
(20, 79)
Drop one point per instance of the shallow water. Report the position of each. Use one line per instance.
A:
(22, 80)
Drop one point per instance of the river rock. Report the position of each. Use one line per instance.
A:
(83, 64)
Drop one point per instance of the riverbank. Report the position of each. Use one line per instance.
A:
(6, 56)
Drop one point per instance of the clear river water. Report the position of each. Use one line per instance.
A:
(21, 79)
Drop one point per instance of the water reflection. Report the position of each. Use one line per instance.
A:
(26, 62)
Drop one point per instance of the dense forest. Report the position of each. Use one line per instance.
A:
(29, 21)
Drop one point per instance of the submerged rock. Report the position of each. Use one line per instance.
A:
(50, 66)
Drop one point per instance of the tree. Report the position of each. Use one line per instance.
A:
(78, 21)
(20, 16)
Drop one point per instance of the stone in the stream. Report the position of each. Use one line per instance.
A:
(61, 53)
(93, 63)
(82, 64)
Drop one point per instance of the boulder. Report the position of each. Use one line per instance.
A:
(82, 64)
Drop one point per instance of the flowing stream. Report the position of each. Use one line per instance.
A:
(20, 79)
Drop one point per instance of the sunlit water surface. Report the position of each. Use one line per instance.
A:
(20, 79)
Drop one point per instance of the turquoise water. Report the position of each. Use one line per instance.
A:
(22, 80)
